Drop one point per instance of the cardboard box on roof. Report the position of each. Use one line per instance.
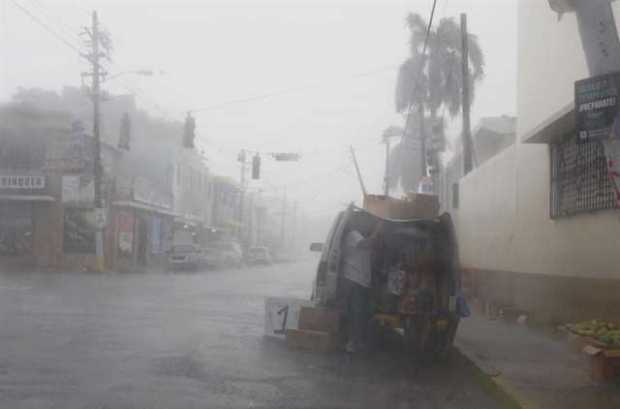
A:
(413, 206)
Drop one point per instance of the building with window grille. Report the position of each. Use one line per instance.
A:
(537, 223)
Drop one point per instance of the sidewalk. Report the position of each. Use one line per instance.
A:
(535, 369)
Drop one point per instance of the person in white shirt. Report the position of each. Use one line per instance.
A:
(357, 271)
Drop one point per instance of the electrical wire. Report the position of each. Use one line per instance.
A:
(47, 28)
(43, 9)
(290, 90)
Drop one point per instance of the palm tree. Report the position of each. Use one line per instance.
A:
(429, 82)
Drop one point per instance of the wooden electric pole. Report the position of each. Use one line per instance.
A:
(243, 160)
(283, 223)
(94, 56)
(466, 134)
(386, 178)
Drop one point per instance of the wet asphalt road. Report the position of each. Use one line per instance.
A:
(190, 340)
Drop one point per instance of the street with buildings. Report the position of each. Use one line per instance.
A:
(154, 185)
(98, 195)
(191, 340)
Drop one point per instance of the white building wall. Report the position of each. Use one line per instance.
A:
(503, 221)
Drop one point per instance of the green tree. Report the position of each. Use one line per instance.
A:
(429, 83)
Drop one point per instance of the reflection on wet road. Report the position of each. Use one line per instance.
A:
(189, 340)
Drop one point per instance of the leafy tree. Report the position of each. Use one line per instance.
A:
(431, 82)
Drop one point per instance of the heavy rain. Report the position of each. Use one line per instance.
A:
(309, 204)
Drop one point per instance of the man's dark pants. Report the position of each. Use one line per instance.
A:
(358, 311)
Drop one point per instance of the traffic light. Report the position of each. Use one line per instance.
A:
(256, 167)
(189, 131)
(285, 156)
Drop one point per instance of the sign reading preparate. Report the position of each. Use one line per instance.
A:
(22, 182)
(596, 107)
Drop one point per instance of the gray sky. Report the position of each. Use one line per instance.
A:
(212, 52)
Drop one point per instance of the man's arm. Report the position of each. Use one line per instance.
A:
(368, 241)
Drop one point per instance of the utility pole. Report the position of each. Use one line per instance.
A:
(386, 178)
(251, 222)
(294, 227)
(94, 57)
(242, 159)
(283, 223)
(422, 139)
(466, 133)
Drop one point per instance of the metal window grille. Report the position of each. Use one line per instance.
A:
(579, 180)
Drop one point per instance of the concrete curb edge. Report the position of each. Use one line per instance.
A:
(491, 380)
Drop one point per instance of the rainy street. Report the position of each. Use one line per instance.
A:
(188, 340)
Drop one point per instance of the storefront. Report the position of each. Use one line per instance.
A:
(27, 237)
(140, 236)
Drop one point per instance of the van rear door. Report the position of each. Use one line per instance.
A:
(329, 266)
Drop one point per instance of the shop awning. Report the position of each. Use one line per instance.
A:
(142, 206)
(27, 198)
(554, 128)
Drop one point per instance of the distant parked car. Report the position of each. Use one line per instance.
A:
(258, 255)
(224, 254)
(213, 257)
(186, 256)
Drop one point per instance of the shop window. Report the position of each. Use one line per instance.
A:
(579, 181)
(15, 229)
(79, 231)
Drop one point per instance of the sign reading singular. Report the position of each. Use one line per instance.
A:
(596, 108)
(22, 182)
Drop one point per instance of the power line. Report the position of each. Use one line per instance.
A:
(290, 90)
(46, 27)
(43, 9)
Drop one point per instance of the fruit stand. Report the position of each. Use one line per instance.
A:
(600, 340)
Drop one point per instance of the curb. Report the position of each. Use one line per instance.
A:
(493, 382)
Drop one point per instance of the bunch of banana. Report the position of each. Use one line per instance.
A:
(606, 332)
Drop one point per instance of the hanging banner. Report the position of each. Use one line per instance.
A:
(596, 108)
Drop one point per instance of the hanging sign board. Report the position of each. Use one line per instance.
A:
(596, 108)
(27, 182)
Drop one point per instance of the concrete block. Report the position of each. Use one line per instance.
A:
(319, 319)
(317, 341)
